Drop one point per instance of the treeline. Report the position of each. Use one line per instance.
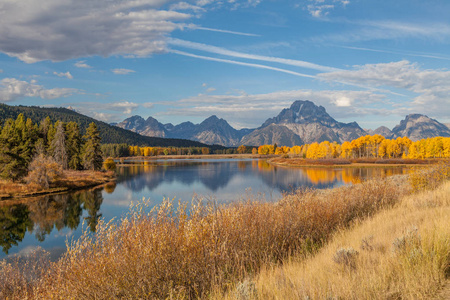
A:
(40, 148)
(369, 146)
(125, 150)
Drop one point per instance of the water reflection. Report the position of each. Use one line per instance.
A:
(50, 220)
(215, 175)
(42, 215)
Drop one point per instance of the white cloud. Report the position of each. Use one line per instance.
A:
(196, 27)
(122, 71)
(126, 106)
(318, 11)
(148, 105)
(211, 89)
(223, 51)
(67, 74)
(431, 87)
(321, 8)
(389, 30)
(242, 64)
(402, 53)
(82, 64)
(105, 117)
(107, 112)
(59, 30)
(186, 6)
(12, 89)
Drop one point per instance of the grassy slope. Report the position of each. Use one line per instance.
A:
(403, 253)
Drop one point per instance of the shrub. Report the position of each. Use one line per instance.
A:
(43, 171)
(429, 179)
(346, 257)
(109, 164)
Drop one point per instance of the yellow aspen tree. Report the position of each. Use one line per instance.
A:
(313, 150)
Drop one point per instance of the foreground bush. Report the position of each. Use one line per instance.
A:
(185, 253)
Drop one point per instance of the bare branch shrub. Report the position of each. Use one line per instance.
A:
(43, 171)
(346, 257)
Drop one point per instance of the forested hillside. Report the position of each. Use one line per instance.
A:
(108, 134)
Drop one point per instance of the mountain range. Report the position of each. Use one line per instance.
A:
(302, 123)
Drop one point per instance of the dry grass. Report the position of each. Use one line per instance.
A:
(8, 188)
(400, 253)
(180, 253)
(70, 180)
(357, 162)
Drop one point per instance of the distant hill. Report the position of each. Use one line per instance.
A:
(108, 133)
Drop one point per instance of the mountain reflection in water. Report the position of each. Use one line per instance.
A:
(215, 175)
(48, 221)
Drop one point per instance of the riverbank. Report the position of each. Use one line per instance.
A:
(357, 162)
(196, 156)
(70, 181)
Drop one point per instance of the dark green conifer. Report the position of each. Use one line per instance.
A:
(17, 141)
(74, 145)
(92, 154)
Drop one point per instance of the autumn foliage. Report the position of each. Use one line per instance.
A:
(369, 146)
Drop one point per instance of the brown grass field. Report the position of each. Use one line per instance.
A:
(71, 180)
(356, 162)
(380, 239)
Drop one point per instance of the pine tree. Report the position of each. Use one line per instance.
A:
(92, 154)
(17, 140)
(74, 145)
(50, 136)
(44, 127)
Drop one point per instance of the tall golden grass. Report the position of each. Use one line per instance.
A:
(401, 253)
(177, 252)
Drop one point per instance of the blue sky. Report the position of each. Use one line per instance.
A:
(370, 61)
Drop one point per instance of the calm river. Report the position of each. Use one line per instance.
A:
(50, 221)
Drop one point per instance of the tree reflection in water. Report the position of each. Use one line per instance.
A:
(14, 222)
(41, 215)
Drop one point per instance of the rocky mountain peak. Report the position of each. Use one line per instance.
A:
(417, 126)
(213, 120)
(302, 112)
(133, 123)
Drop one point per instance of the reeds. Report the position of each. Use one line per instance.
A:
(400, 253)
(185, 253)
